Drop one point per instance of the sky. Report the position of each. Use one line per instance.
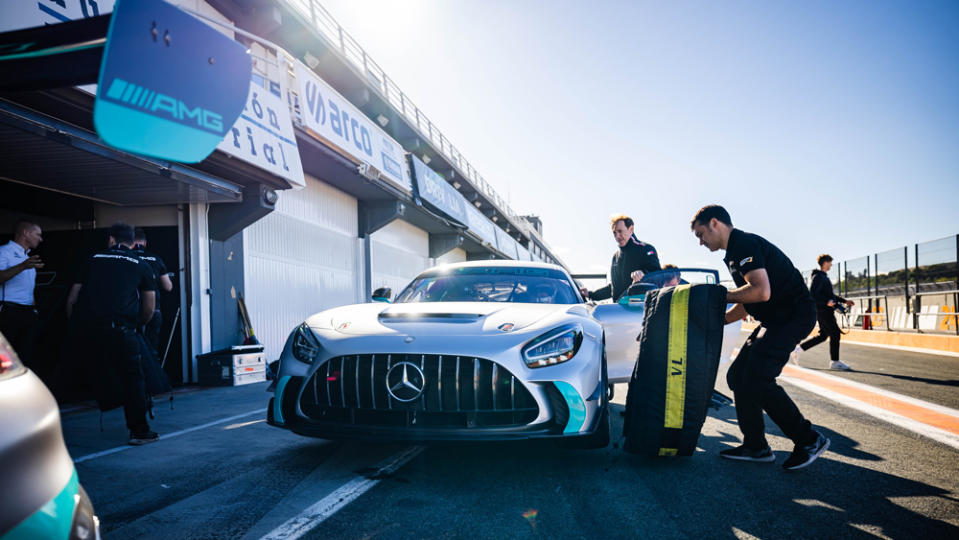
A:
(825, 127)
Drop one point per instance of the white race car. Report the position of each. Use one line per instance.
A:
(487, 350)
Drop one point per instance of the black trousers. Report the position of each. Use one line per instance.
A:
(152, 331)
(752, 378)
(19, 324)
(115, 355)
(828, 329)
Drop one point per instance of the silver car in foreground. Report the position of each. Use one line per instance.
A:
(42, 496)
(486, 350)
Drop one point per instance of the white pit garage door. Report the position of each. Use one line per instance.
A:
(300, 259)
(398, 252)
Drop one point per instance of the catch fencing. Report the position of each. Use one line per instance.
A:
(911, 288)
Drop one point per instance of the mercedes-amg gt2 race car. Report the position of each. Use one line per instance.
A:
(487, 350)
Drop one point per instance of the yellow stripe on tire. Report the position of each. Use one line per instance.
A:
(676, 358)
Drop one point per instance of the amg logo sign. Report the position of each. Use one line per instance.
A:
(141, 97)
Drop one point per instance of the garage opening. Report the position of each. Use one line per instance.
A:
(73, 229)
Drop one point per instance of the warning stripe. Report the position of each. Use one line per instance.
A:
(676, 358)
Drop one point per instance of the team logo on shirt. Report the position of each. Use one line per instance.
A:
(650, 252)
(746, 260)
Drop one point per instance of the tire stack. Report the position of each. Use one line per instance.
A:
(672, 383)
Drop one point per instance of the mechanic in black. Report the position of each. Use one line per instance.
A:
(631, 262)
(826, 300)
(771, 290)
(114, 294)
(152, 329)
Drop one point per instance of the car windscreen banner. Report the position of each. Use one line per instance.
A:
(170, 86)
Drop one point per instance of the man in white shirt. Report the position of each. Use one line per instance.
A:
(18, 275)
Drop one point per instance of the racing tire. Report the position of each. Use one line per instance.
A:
(672, 383)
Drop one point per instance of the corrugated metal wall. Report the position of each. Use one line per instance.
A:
(453, 256)
(398, 253)
(300, 259)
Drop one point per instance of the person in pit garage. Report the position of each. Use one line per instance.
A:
(18, 275)
(631, 262)
(152, 329)
(114, 294)
(821, 290)
(769, 288)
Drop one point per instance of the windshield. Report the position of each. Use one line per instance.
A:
(491, 284)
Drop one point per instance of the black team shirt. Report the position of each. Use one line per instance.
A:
(156, 264)
(112, 281)
(746, 252)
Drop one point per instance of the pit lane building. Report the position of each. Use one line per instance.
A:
(333, 183)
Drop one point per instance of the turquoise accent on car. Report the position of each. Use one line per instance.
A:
(576, 405)
(637, 301)
(53, 520)
(136, 131)
(278, 400)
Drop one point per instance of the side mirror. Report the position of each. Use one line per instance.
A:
(382, 294)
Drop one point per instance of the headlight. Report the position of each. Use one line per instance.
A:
(554, 347)
(305, 344)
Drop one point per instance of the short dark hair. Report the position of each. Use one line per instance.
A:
(708, 212)
(23, 225)
(122, 232)
(824, 258)
(139, 234)
(627, 221)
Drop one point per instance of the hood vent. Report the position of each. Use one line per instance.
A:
(460, 318)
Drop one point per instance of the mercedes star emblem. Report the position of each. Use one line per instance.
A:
(405, 381)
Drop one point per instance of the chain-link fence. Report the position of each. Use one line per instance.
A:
(911, 288)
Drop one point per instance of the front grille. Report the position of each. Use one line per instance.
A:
(458, 391)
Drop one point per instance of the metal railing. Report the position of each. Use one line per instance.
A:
(351, 50)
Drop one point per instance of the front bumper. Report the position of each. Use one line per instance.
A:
(564, 417)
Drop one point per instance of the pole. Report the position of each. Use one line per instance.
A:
(869, 293)
(915, 274)
(169, 340)
(905, 265)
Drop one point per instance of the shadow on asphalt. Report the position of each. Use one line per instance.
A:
(607, 493)
(924, 380)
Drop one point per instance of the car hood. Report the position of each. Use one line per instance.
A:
(441, 318)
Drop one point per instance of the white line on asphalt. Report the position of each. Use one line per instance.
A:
(310, 518)
(909, 424)
(903, 348)
(166, 436)
(885, 393)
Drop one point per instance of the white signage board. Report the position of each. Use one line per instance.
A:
(505, 243)
(339, 123)
(524, 254)
(263, 136)
(480, 225)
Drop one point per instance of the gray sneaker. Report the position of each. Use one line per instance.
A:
(803, 455)
(741, 453)
(139, 439)
(839, 366)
